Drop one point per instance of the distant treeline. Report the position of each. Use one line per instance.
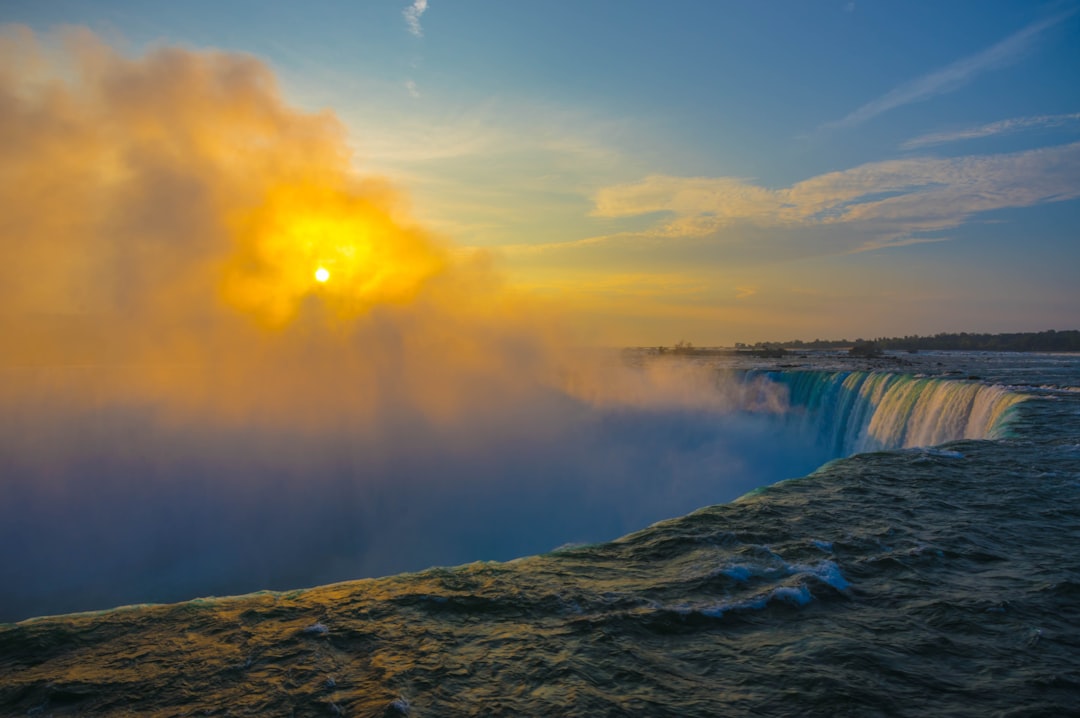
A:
(1048, 341)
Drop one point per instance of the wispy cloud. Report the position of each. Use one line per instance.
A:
(954, 76)
(414, 91)
(1002, 127)
(412, 16)
(872, 206)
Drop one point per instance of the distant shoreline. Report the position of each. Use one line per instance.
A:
(1047, 341)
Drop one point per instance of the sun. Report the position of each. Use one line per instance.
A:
(335, 242)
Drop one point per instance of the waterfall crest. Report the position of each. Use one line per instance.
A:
(855, 412)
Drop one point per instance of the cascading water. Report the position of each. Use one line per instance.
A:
(854, 412)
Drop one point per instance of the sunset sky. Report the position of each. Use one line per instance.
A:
(710, 171)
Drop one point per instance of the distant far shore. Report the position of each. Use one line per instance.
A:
(1048, 341)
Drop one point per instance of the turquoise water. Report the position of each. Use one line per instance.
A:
(913, 581)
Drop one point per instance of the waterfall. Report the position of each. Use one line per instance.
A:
(855, 412)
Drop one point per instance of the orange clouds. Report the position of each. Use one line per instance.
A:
(165, 211)
(348, 231)
(164, 179)
(162, 218)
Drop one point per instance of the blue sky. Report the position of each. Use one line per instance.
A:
(720, 172)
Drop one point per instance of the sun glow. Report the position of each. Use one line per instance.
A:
(378, 258)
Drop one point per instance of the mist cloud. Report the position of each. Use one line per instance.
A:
(188, 410)
(174, 209)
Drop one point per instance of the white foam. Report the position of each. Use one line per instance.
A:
(399, 706)
(739, 572)
(315, 629)
(796, 595)
(829, 572)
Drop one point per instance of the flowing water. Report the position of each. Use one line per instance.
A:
(934, 571)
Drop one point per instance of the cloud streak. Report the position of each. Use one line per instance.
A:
(952, 77)
(413, 14)
(1002, 127)
(872, 206)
